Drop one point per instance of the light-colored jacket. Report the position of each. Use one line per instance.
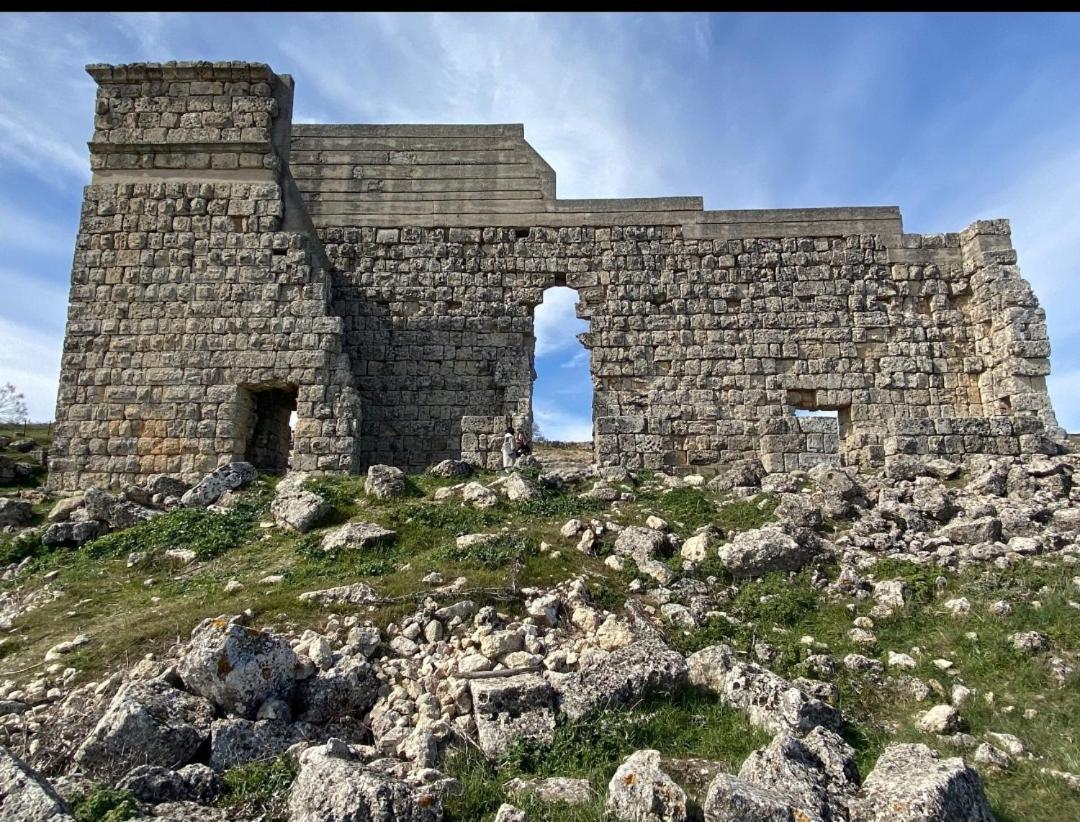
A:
(508, 451)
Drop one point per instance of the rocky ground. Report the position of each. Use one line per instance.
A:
(560, 643)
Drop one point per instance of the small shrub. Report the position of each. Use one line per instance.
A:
(16, 549)
(495, 553)
(258, 789)
(207, 533)
(105, 805)
(747, 514)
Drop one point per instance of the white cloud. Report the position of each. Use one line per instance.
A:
(1065, 394)
(559, 424)
(579, 359)
(556, 325)
(31, 360)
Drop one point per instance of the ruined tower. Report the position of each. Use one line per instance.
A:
(379, 282)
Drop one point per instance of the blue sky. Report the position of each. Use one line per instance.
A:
(953, 118)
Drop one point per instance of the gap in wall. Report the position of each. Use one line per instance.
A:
(562, 391)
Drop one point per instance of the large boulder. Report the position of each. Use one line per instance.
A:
(346, 690)
(840, 492)
(118, 512)
(154, 784)
(384, 482)
(15, 512)
(640, 791)
(641, 544)
(359, 593)
(148, 722)
(71, 533)
(297, 508)
(25, 796)
(510, 708)
(224, 478)
(769, 701)
(730, 799)
(761, 550)
(357, 536)
(236, 667)
(236, 741)
(451, 469)
(911, 783)
(627, 674)
(518, 489)
(332, 788)
(816, 774)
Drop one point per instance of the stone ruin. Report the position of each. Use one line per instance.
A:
(379, 281)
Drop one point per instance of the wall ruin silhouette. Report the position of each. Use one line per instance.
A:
(386, 276)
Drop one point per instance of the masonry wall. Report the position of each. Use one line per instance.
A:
(186, 294)
(389, 274)
(695, 344)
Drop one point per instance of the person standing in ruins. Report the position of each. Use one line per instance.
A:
(508, 449)
(522, 446)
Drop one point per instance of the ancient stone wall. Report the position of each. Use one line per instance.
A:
(186, 295)
(388, 276)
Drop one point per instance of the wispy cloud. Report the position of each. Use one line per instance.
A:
(558, 424)
(556, 326)
(31, 360)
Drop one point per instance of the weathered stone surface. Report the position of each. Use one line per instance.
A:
(358, 593)
(384, 481)
(357, 536)
(154, 784)
(640, 544)
(298, 509)
(731, 799)
(148, 722)
(348, 689)
(910, 783)
(510, 708)
(553, 789)
(816, 774)
(517, 488)
(236, 667)
(25, 796)
(334, 789)
(226, 478)
(624, 675)
(756, 552)
(118, 512)
(451, 469)
(236, 741)
(15, 511)
(71, 533)
(770, 701)
(640, 791)
(508, 813)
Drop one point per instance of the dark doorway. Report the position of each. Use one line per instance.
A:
(269, 415)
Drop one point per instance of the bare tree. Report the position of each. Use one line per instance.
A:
(537, 435)
(12, 405)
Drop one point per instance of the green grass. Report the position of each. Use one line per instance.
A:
(678, 724)
(258, 789)
(105, 805)
(496, 553)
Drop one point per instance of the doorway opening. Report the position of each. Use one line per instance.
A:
(268, 415)
(562, 390)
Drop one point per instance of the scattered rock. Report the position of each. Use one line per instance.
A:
(641, 792)
(297, 508)
(236, 667)
(912, 778)
(770, 701)
(148, 722)
(553, 789)
(384, 482)
(756, 552)
(358, 593)
(357, 536)
(451, 469)
(210, 488)
(15, 512)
